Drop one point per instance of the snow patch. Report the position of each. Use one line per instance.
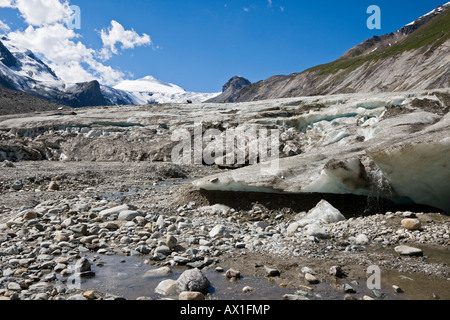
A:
(150, 90)
(149, 84)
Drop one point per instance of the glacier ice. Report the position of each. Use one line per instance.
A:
(418, 170)
(351, 143)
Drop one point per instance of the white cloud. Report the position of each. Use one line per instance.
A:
(40, 12)
(116, 34)
(61, 47)
(4, 27)
(269, 3)
(71, 60)
(6, 4)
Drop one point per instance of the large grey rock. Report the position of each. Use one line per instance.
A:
(159, 272)
(113, 211)
(83, 265)
(171, 242)
(317, 231)
(192, 280)
(219, 231)
(40, 287)
(215, 209)
(361, 239)
(14, 286)
(77, 297)
(165, 250)
(17, 185)
(128, 215)
(166, 287)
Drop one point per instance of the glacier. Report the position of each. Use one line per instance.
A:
(350, 143)
(391, 146)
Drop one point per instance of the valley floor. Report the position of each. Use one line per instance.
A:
(53, 213)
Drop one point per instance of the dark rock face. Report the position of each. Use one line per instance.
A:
(230, 90)
(236, 83)
(7, 58)
(85, 94)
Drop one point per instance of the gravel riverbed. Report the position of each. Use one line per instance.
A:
(60, 222)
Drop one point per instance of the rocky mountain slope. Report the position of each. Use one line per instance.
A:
(15, 102)
(413, 58)
(230, 90)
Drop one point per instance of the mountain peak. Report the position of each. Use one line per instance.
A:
(7, 58)
(428, 16)
(23, 62)
(230, 90)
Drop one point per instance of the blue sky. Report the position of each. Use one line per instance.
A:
(199, 45)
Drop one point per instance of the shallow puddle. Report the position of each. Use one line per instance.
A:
(123, 276)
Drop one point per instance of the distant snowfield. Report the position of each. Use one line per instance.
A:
(149, 84)
(150, 90)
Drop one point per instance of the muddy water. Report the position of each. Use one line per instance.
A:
(123, 276)
(421, 286)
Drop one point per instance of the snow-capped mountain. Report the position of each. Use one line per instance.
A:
(430, 14)
(150, 90)
(26, 64)
(22, 70)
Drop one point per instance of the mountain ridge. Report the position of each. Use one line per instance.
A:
(21, 70)
(413, 58)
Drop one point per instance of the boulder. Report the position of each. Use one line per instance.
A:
(192, 280)
(191, 295)
(128, 215)
(411, 224)
(104, 214)
(219, 231)
(166, 287)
